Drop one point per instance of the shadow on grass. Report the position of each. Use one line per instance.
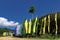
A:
(46, 36)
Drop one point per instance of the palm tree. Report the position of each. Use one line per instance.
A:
(31, 10)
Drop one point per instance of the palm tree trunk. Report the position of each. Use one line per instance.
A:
(32, 16)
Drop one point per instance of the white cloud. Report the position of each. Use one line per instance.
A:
(5, 22)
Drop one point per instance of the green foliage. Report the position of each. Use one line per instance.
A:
(4, 30)
(31, 10)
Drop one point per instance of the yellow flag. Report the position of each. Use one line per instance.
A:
(48, 23)
(41, 27)
(44, 25)
(56, 22)
(26, 25)
(4, 33)
(30, 25)
(34, 27)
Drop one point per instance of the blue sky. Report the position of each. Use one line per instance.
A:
(18, 10)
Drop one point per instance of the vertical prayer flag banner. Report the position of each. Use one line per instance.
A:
(56, 23)
(30, 25)
(34, 27)
(18, 30)
(26, 26)
(4, 33)
(41, 26)
(44, 25)
(48, 23)
(15, 31)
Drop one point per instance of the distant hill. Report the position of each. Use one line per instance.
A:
(8, 27)
(4, 30)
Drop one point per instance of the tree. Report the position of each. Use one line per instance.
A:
(31, 10)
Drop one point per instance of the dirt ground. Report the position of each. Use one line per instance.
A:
(14, 38)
